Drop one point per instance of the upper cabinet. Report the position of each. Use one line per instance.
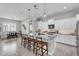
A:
(68, 24)
(44, 24)
(51, 21)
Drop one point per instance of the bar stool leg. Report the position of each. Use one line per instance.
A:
(21, 42)
(33, 48)
(36, 51)
(47, 48)
(30, 45)
(24, 45)
(42, 51)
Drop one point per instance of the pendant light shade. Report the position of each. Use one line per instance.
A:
(44, 11)
(29, 13)
(35, 11)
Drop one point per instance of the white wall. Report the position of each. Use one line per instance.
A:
(2, 21)
(18, 24)
(26, 23)
(42, 25)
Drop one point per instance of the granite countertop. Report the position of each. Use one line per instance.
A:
(71, 34)
(67, 32)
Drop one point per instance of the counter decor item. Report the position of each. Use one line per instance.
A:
(24, 27)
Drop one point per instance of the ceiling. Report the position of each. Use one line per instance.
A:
(19, 11)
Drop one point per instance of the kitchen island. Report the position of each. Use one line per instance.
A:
(52, 40)
(66, 39)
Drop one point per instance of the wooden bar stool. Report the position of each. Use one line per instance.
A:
(31, 42)
(22, 38)
(25, 41)
(34, 45)
(40, 46)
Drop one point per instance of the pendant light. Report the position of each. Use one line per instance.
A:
(29, 13)
(30, 21)
(44, 10)
(35, 9)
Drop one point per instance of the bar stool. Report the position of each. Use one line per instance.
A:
(31, 42)
(34, 45)
(22, 38)
(25, 41)
(40, 46)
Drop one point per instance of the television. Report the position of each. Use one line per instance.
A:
(51, 26)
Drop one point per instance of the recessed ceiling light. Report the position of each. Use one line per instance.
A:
(50, 12)
(21, 12)
(45, 15)
(65, 7)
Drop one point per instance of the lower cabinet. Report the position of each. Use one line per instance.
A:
(66, 39)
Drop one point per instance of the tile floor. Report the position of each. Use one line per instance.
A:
(12, 47)
(65, 50)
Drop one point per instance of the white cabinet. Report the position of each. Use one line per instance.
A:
(67, 39)
(44, 24)
(69, 24)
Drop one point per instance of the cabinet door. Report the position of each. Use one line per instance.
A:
(60, 38)
(73, 40)
(67, 39)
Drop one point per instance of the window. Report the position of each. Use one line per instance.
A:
(9, 27)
